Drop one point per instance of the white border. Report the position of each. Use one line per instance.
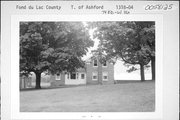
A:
(15, 114)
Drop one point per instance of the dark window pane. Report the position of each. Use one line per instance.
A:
(82, 76)
(94, 77)
(105, 77)
(95, 62)
(104, 64)
(73, 76)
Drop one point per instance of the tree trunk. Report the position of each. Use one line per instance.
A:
(153, 67)
(38, 80)
(142, 72)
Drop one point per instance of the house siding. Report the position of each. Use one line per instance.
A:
(89, 70)
(56, 83)
(78, 81)
(100, 69)
(110, 70)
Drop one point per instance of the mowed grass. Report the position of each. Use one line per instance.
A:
(125, 97)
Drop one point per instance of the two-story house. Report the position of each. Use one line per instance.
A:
(93, 73)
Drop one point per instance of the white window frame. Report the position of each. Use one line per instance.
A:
(95, 74)
(105, 74)
(93, 63)
(81, 76)
(75, 76)
(58, 77)
(68, 76)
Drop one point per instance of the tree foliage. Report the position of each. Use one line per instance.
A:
(53, 46)
(133, 42)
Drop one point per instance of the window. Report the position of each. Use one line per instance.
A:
(58, 76)
(105, 76)
(94, 76)
(105, 64)
(73, 76)
(95, 63)
(82, 76)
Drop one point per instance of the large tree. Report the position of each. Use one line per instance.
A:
(52, 46)
(148, 36)
(133, 42)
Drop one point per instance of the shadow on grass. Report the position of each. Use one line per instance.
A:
(70, 86)
(46, 88)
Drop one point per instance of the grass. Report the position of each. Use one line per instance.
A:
(129, 97)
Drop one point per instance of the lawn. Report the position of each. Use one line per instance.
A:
(123, 97)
